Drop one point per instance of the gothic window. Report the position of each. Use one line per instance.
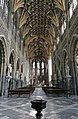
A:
(6, 10)
(42, 68)
(1, 3)
(42, 65)
(54, 47)
(74, 4)
(33, 68)
(1, 8)
(38, 68)
(50, 66)
(34, 65)
(63, 26)
(71, 10)
(58, 39)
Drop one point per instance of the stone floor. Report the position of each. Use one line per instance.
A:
(56, 108)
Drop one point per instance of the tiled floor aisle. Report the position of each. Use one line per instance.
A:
(57, 107)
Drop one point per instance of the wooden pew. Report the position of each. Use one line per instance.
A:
(55, 90)
(21, 91)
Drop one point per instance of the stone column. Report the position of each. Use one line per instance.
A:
(44, 68)
(27, 71)
(35, 72)
(2, 79)
(40, 68)
(68, 80)
(60, 78)
(31, 73)
(50, 70)
(44, 80)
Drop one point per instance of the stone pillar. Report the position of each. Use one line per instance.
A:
(31, 73)
(60, 79)
(68, 80)
(40, 68)
(44, 68)
(77, 80)
(50, 70)
(27, 71)
(2, 79)
(35, 72)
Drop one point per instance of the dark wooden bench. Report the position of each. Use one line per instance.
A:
(58, 91)
(55, 90)
(21, 91)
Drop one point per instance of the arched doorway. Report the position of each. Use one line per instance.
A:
(11, 61)
(11, 65)
(2, 61)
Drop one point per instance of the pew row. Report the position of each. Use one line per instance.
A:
(21, 91)
(55, 90)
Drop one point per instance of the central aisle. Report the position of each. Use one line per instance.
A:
(38, 94)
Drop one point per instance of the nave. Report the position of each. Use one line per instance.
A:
(56, 108)
(38, 48)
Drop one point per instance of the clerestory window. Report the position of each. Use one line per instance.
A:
(73, 5)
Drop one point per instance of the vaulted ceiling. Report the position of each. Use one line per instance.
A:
(39, 21)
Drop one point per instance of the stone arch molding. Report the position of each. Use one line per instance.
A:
(63, 54)
(12, 52)
(18, 64)
(72, 43)
(4, 60)
(64, 51)
(4, 42)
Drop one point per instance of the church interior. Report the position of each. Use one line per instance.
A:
(39, 58)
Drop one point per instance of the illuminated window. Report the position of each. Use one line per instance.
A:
(33, 68)
(33, 72)
(1, 3)
(6, 10)
(42, 65)
(38, 72)
(58, 40)
(33, 64)
(42, 68)
(54, 47)
(74, 4)
(71, 9)
(38, 68)
(63, 26)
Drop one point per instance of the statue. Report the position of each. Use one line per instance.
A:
(9, 77)
(67, 70)
(17, 75)
(59, 75)
(9, 70)
(59, 79)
